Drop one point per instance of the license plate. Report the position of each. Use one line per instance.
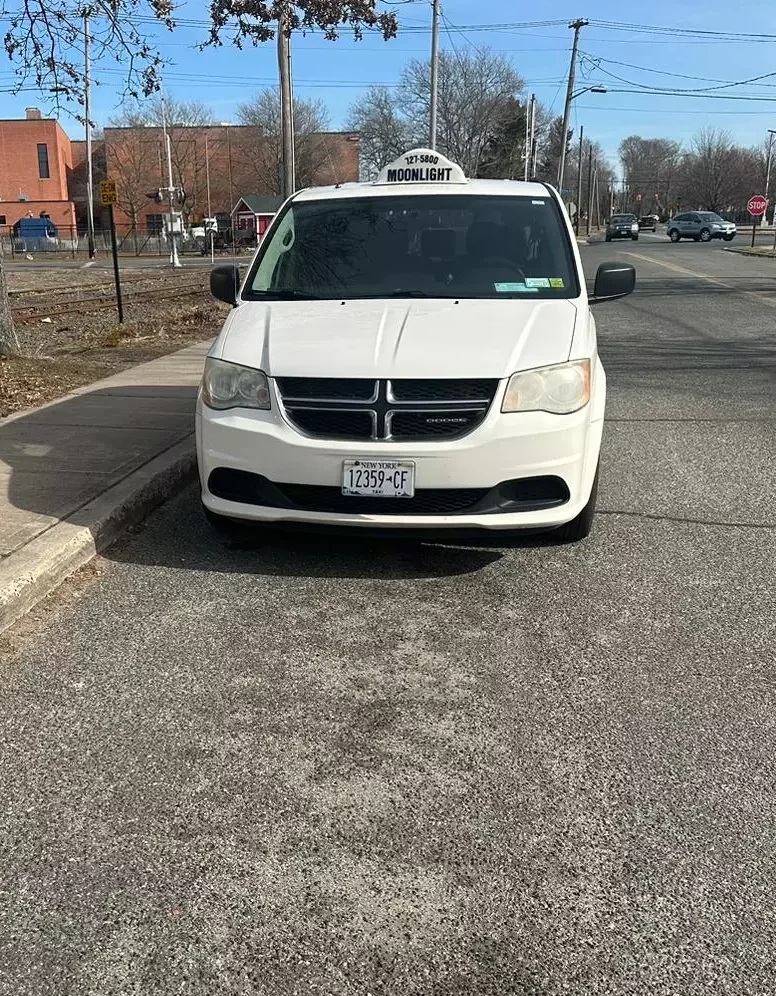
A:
(378, 478)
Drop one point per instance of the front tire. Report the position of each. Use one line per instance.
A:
(607, 238)
(728, 238)
(634, 238)
(674, 235)
(705, 235)
(580, 526)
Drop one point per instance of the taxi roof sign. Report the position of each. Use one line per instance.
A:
(421, 166)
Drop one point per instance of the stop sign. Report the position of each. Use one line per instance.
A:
(757, 205)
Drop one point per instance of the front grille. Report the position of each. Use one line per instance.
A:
(443, 390)
(517, 495)
(332, 423)
(329, 388)
(433, 425)
(402, 410)
(430, 501)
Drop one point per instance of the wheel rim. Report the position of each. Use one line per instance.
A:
(705, 235)
(674, 236)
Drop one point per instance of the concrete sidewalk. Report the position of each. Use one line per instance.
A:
(76, 472)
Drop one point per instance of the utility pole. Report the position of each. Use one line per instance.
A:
(88, 116)
(174, 260)
(532, 143)
(578, 225)
(772, 134)
(288, 170)
(527, 153)
(432, 116)
(577, 26)
(589, 186)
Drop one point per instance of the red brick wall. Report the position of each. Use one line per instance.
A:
(19, 160)
(19, 172)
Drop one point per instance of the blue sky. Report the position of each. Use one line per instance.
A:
(337, 72)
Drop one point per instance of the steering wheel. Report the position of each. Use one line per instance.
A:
(502, 261)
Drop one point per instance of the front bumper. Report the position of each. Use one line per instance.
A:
(502, 448)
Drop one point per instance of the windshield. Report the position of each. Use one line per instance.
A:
(710, 216)
(456, 246)
(621, 219)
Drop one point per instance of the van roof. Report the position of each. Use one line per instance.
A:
(481, 188)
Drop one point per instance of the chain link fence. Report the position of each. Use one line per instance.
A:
(131, 241)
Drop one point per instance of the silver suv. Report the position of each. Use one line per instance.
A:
(702, 226)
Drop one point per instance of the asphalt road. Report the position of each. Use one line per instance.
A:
(348, 767)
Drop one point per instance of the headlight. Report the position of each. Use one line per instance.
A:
(229, 385)
(716, 226)
(635, 227)
(560, 389)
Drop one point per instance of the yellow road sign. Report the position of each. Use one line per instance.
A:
(108, 192)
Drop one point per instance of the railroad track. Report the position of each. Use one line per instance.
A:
(27, 314)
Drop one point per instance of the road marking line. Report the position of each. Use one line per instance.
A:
(706, 279)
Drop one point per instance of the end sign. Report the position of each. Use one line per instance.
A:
(108, 192)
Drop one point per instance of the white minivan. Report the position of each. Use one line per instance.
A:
(413, 353)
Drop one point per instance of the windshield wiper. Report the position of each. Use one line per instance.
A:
(287, 295)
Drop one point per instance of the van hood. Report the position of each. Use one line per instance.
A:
(380, 339)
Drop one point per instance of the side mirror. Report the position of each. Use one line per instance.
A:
(614, 280)
(225, 283)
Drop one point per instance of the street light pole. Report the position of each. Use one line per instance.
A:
(577, 26)
(432, 116)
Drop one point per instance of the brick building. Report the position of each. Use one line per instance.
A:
(43, 171)
(35, 171)
(227, 160)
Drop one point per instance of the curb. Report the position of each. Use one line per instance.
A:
(752, 252)
(31, 573)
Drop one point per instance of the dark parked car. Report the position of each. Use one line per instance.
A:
(648, 223)
(622, 226)
(702, 226)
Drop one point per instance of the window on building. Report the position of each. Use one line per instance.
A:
(43, 162)
(2, 220)
(154, 224)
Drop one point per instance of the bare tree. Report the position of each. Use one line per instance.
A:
(311, 119)
(711, 171)
(650, 170)
(138, 156)
(473, 89)
(384, 132)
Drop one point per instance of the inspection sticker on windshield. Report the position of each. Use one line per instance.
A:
(537, 281)
(556, 282)
(515, 288)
